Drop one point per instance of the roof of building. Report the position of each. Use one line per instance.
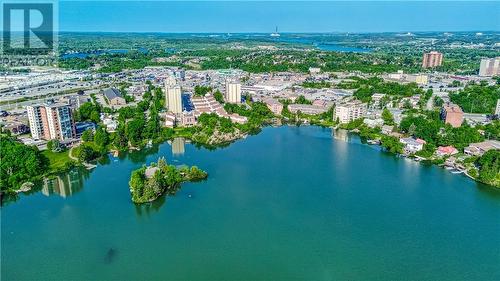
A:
(452, 108)
(112, 93)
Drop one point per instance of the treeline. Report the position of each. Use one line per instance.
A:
(367, 87)
(19, 163)
(477, 98)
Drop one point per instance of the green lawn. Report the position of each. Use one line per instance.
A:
(57, 160)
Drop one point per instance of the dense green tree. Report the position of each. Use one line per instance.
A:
(387, 117)
(19, 163)
(218, 96)
(88, 135)
(101, 137)
(477, 98)
(489, 167)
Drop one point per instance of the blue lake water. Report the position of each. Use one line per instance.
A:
(292, 203)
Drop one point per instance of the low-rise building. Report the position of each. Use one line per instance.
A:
(238, 118)
(84, 126)
(275, 106)
(348, 111)
(372, 123)
(478, 149)
(307, 109)
(386, 129)
(114, 97)
(446, 151)
(412, 145)
(188, 118)
(170, 119)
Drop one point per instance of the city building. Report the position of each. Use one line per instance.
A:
(372, 123)
(490, 67)
(452, 114)
(307, 109)
(84, 126)
(412, 145)
(432, 59)
(51, 121)
(348, 111)
(478, 149)
(420, 79)
(233, 92)
(446, 151)
(170, 119)
(114, 97)
(275, 106)
(188, 118)
(208, 104)
(173, 95)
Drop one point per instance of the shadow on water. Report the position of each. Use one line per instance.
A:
(110, 255)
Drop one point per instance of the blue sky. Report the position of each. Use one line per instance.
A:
(289, 16)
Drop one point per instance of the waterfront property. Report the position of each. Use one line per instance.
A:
(478, 149)
(51, 121)
(412, 145)
(345, 112)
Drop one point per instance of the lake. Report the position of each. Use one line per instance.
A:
(292, 203)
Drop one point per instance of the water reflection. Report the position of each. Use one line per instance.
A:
(140, 155)
(178, 146)
(66, 184)
(341, 134)
(145, 210)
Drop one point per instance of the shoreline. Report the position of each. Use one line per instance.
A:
(72, 164)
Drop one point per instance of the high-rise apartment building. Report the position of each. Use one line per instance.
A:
(173, 95)
(452, 114)
(490, 67)
(233, 92)
(432, 59)
(51, 121)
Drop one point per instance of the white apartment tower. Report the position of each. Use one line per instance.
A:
(490, 67)
(233, 92)
(51, 121)
(173, 95)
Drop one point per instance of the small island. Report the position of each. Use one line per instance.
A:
(149, 183)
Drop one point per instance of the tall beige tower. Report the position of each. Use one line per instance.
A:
(173, 96)
(233, 92)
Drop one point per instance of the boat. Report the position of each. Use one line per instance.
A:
(375, 142)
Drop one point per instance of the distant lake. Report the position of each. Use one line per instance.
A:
(292, 203)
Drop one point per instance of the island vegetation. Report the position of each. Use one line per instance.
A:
(149, 183)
